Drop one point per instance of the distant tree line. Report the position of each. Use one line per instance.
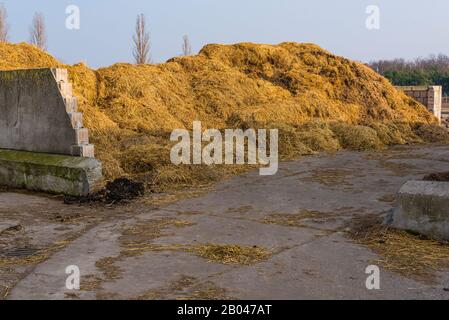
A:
(433, 70)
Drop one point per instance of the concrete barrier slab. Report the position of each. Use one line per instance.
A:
(59, 174)
(38, 112)
(423, 207)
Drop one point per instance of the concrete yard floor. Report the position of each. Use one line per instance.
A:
(137, 251)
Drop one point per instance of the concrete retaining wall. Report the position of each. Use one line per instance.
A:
(38, 113)
(430, 96)
(423, 207)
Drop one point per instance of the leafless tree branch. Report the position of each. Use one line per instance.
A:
(186, 47)
(3, 23)
(38, 34)
(141, 41)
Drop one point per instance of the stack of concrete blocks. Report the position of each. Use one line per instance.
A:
(429, 96)
(43, 144)
(82, 148)
(445, 108)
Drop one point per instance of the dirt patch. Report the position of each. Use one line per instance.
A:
(442, 176)
(123, 189)
(119, 191)
(411, 255)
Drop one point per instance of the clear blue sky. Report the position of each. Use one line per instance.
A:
(339, 26)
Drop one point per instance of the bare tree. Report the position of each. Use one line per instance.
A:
(186, 47)
(141, 41)
(3, 24)
(38, 34)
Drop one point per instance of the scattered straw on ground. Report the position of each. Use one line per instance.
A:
(174, 288)
(146, 231)
(187, 288)
(411, 255)
(91, 283)
(38, 257)
(107, 266)
(231, 254)
(4, 292)
(207, 291)
(224, 254)
(138, 239)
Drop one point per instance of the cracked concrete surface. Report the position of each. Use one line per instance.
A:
(311, 260)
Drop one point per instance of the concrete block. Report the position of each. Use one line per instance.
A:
(423, 207)
(82, 136)
(66, 89)
(71, 104)
(77, 119)
(61, 75)
(58, 174)
(85, 150)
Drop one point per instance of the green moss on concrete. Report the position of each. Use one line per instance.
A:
(41, 158)
(48, 172)
(35, 74)
(39, 77)
(42, 164)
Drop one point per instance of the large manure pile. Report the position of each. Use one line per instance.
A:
(319, 101)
